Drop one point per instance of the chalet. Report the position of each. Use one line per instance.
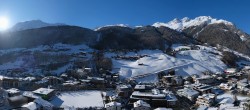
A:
(8, 82)
(141, 105)
(205, 80)
(143, 87)
(13, 92)
(124, 90)
(108, 96)
(188, 94)
(3, 95)
(37, 104)
(155, 98)
(113, 106)
(163, 108)
(226, 86)
(30, 106)
(242, 84)
(206, 100)
(201, 88)
(64, 76)
(52, 80)
(17, 101)
(172, 80)
(45, 93)
(72, 85)
(97, 81)
(217, 91)
(230, 71)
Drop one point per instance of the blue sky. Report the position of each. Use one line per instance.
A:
(94, 13)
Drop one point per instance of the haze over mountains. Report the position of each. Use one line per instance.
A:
(203, 29)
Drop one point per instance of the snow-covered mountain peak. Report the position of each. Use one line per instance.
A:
(32, 25)
(120, 25)
(185, 19)
(185, 22)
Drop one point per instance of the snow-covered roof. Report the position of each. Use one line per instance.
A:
(231, 70)
(140, 87)
(207, 96)
(78, 99)
(227, 100)
(29, 94)
(13, 90)
(110, 104)
(43, 91)
(141, 103)
(148, 94)
(162, 108)
(124, 86)
(43, 103)
(30, 106)
(29, 78)
(189, 92)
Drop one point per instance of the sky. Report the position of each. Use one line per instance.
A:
(95, 13)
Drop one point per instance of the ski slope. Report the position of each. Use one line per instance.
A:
(185, 63)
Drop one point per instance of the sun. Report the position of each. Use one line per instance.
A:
(4, 23)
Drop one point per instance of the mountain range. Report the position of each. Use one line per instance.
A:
(200, 30)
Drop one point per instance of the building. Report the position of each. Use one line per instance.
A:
(230, 71)
(205, 80)
(3, 96)
(201, 88)
(141, 105)
(226, 86)
(217, 91)
(97, 82)
(172, 80)
(124, 90)
(206, 100)
(8, 82)
(155, 98)
(45, 93)
(17, 101)
(242, 84)
(13, 92)
(113, 106)
(52, 80)
(143, 87)
(188, 93)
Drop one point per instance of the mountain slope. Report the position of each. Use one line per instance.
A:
(146, 37)
(31, 25)
(47, 36)
(212, 31)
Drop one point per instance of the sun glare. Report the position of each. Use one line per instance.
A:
(4, 23)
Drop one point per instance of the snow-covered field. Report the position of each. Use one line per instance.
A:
(79, 99)
(185, 63)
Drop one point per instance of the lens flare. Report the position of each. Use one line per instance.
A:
(4, 23)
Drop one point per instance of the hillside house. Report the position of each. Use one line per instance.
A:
(45, 93)
(124, 90)
(188, 94)
(141, 105)
(113, 106)
(206, 100)
(155, 98)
